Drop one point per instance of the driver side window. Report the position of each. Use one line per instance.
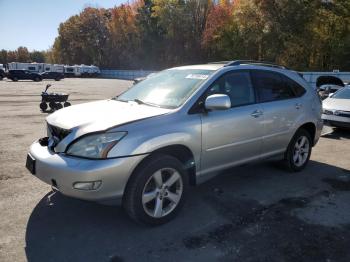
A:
(237, 86)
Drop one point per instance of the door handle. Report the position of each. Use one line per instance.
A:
(298, 105)
(257, 113)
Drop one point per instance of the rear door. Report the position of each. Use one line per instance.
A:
(26, 75)
(282, 105)
(232, 136)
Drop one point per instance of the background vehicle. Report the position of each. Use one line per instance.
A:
(179, 127)
(2, 74)
(336, 109)
(327, 85)
(16, 75)
(52, 75)
(33, 67)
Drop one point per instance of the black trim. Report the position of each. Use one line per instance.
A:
(254, 62)
(116, 157)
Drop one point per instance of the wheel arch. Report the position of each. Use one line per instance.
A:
(311, 129)
(180, 152)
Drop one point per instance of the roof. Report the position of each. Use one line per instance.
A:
(203, 66)
(220, 64)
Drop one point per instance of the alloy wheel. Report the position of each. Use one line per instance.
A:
(301, 151)
(162, 192)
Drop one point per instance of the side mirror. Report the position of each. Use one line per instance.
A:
(330, 94)
(217, 102)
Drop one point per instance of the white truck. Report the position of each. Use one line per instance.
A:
(36, 67)
(89, 71)
(72, 71)
(54, 68)
(81, 71)
(33, 67)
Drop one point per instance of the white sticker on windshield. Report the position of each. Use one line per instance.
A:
(197, 76)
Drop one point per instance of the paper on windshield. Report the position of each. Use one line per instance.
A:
(197, 76)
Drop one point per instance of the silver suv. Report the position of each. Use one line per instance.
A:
(174, 129)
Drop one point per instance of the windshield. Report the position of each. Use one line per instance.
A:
(168, 89)
(342, 94)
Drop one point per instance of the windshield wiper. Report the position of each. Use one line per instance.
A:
(145, 103)
(120, 100)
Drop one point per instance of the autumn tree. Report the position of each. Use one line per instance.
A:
(151, 36)
(155, 34)
(83, 38)
(124, 44)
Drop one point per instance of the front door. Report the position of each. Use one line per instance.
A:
(232, 136)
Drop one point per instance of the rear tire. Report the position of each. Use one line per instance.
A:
(299, 151)
(156, 191)
(15, 79)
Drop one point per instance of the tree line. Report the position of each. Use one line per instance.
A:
(155, 34)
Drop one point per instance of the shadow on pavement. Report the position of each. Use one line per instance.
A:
(338, 133)
(241, 210)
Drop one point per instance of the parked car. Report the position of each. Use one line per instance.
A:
(327, 85)
(178, 128)
(2, 74)
(336, 109)
(16, 75)
(52, 75)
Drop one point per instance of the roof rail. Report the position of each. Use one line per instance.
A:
(254, 62)
(219, 62)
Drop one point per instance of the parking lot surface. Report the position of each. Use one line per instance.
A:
(257, 212)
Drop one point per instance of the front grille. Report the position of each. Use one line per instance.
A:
(337, 113)
(57, 132)
(342, 113)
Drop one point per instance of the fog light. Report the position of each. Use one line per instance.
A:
(93, 185)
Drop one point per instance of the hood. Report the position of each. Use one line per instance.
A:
(329, 80)
(101, 115)
(336, 104)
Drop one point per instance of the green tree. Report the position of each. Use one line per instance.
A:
(37, 56)
(3, 57)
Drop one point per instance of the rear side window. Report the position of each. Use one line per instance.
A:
(298, 90)
(271, 86)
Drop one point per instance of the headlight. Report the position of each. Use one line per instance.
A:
(95, 146)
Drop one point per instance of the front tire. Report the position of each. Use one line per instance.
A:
(156, 191)
(299, 151)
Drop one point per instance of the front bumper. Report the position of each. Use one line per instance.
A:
(62, 171)
(336, 121)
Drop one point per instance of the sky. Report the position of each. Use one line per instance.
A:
(34, 23)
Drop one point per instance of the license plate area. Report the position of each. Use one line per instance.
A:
(30, 164)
